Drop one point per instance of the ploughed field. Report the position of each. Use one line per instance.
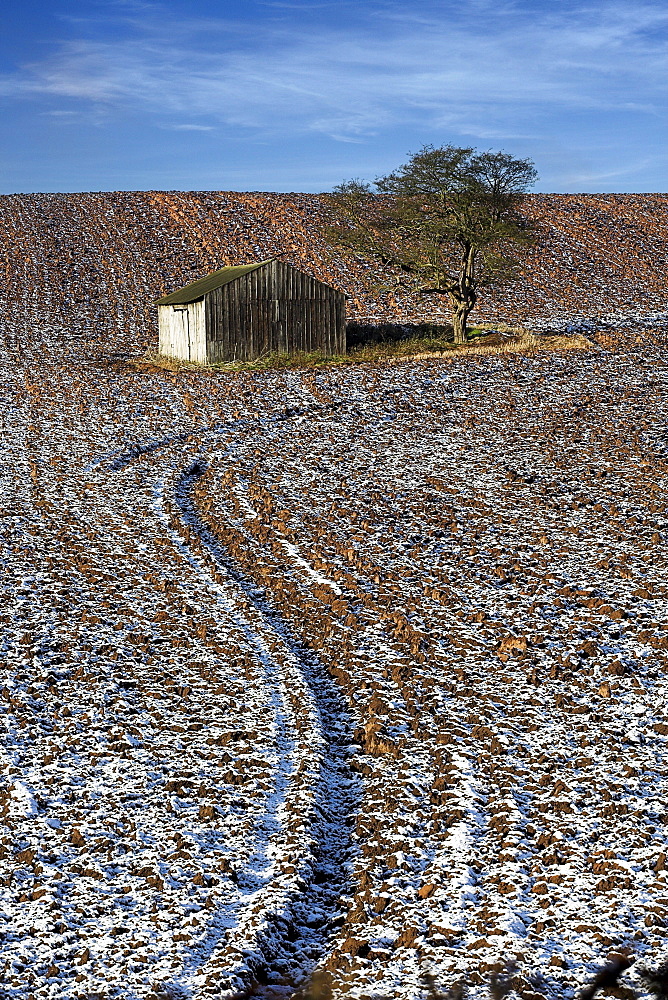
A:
(94, 263)
(360, 669)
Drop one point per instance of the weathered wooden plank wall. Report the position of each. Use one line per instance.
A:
(275, 308)
(182, 332)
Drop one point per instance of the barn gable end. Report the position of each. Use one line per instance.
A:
(252, 310)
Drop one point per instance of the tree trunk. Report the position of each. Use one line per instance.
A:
(460, 315)
(463, 295)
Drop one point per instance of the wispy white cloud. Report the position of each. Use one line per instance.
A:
(492, 75)
(584, 179)
(190, 128)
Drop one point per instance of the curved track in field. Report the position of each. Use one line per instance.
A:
(292, 900)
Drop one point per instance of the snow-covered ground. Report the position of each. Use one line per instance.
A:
(360, 667)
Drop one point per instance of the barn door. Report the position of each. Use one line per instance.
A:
(181, 332)
(196, 332)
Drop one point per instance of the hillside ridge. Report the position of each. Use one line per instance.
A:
(100, 259)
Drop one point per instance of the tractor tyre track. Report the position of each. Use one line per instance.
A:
(284, 931)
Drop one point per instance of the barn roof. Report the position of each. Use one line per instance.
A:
(189, 293)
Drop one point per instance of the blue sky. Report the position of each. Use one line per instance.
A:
(301, 94)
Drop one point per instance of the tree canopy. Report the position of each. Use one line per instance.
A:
(444, 223)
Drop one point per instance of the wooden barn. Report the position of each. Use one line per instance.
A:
(240, 313)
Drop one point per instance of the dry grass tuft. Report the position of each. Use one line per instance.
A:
(482, 342)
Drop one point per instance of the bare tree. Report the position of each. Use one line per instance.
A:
(444, 223)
